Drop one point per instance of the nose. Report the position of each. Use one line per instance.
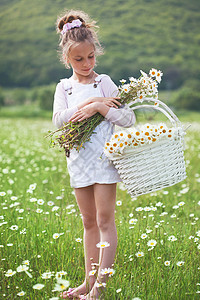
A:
(86, 63)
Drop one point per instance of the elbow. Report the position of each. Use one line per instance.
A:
(128, 120)
(56, 121)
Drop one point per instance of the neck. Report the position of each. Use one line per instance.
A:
(85, 79)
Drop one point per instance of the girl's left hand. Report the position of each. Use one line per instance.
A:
(84, 113)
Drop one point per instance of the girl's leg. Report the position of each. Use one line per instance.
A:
(86, 202)
(105, 198)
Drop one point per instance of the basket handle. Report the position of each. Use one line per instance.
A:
(158, 105)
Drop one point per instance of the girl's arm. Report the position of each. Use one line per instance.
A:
(61, 112)
(124, 116)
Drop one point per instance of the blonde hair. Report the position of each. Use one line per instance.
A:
(86, 32)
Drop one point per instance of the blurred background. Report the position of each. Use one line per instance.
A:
(136, 34)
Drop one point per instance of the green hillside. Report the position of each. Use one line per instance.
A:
(136, 34)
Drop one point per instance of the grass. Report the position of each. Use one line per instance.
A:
(31, 172)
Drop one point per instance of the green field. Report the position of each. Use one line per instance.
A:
(41, 226)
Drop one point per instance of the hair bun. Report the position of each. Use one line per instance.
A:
(71, 15)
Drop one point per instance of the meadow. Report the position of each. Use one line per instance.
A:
(41, 227)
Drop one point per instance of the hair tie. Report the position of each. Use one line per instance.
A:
(73, 24)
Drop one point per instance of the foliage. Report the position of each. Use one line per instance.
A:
(40, 202)
(135, 34)
(2, 98)
(45, 98)
(188, 96)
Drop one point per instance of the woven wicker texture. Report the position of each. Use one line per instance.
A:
(151, 168)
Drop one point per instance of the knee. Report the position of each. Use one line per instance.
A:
(104, 222)
(89, 222)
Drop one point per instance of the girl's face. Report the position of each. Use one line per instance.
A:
(82, 58)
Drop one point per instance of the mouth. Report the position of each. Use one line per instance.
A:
(86, 70)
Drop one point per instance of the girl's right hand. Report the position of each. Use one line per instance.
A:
(108, 101)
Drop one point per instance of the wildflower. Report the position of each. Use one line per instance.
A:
(32, 186)
(153, 72)
(22, 293)
(40, 201)
(132, 221)
(102, 245)
(33, 199)
(100, 284)
(25, 262)
(136, 298)
(61, 285)
(172, 238)
(60, 274)
(2, 194)
(159, 75)
(55, 208)
(118, 291)
(139, 254)
(91, 273)
(78, 240)
(39, 211)
(123, 81)
(198, 233)
(14, 227)
(108, 271)
(139, 209)
(180, 263)
(10, 272)
(56, 236)
(147, 208)
(167, 263)
(151, 243)
(38, 286)
(181, 203)
(144, 236)
(175, 207)
(46, 275)
(119, 203)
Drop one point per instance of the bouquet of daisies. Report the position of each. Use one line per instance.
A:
(74, 135)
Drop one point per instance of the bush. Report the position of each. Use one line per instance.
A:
(2, 98)
(46, 99)
(187, 98)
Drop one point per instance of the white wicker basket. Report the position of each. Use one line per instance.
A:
(154, 166)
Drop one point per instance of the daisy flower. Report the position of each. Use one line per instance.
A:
(103, 245)
(159, 75)
(10, 273)
(61, 285)
(38, 286)
(92, 273)
(22, 293)
(153, 72)
(180, 263)
(139, 254)
(108, 271)
(78, 240)
(167, 263)
(151, 243)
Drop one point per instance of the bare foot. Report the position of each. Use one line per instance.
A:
(76, 292)
(96, 292)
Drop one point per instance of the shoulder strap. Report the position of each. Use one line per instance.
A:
(98, 81)
(67, 85)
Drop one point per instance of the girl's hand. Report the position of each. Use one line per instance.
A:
(108, 101)
(84, 113)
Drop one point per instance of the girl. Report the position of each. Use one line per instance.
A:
(92, 176)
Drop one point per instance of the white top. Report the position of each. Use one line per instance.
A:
(90, 165)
